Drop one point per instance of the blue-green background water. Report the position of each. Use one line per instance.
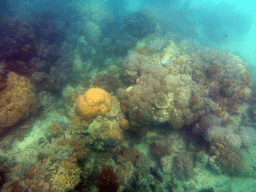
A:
(226, 24)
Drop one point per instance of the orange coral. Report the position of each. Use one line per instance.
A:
(94, 102)
(17, 100)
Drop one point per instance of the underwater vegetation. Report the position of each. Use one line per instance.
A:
(85, 109)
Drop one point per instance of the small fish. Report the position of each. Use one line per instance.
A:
(154, 172)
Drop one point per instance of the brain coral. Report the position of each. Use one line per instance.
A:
(17, 100)
(94, 102)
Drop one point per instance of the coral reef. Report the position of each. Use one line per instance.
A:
(161, 100)
(18, 100)
(27, 54)
(247, 135)
(161, 150)
(183, 166)
(121, 105)
(107, 179)
(230, 159)
(94, 102)
(65, 175)
(3, 171)
(215, 92)
(138, 101)
(146, 101)
(18, 45)
(112, 142)
(205, 122)
(166, 88)
(124, 124)
(130, 162)
(107, 82)
(137, 158)
(55, 129)
(78, 147)
(226, 136)
(113, 130)
(184, 109)
(229, 79)
(227, 145)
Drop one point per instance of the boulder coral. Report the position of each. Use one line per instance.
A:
(138, 100)
(94, 102)
(179, 85)
(189, 101)
(108, 127)
(18, 100)
(176, 99)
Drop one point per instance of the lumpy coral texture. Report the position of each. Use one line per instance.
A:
(94, 102)
(17, 100)
(65, 175)
(148, 106)
(181, 89)
(176, 99)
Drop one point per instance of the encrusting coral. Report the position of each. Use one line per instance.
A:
(17, 100)
(94, 102)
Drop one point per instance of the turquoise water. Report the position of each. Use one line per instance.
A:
(127, 96)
